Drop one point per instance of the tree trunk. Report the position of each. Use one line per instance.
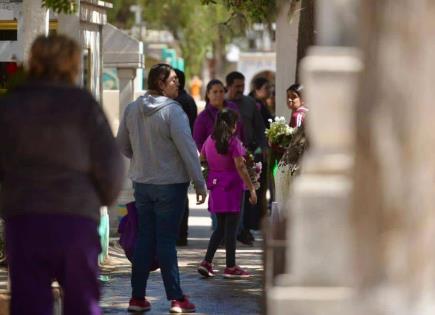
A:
(306, 36)
(219, 57)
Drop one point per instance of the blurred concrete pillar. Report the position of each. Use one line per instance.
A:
(337, 22)
(34, 23)
(286, 53)
(319, 277)
(319, 248)
(393, 208)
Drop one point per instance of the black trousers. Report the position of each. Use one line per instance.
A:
(253, 214)
(227, 224)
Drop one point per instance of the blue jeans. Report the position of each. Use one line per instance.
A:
(160, 209)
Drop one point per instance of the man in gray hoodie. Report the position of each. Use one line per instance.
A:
(155, 134)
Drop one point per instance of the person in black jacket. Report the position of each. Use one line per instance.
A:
(59, 163)
(260, 92)
(189, 106)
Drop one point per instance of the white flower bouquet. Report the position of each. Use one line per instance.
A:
(279, 135)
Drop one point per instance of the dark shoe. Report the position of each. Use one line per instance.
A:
(137, 305)
(249, 235)
(242, 238)
(182, 306)
(182, 242)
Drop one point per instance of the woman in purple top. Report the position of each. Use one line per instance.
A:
(226, 180)
(215, 101)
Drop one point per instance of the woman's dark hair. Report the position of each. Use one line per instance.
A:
(257, 84)
(181, 79)
(296, 88)
(54, 58)
(210, 86)
(223, 129)
(158, 72)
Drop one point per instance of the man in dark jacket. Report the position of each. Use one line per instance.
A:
(189, 106)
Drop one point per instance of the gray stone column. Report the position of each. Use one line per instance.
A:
(319, 273)
(126, 87)
(337, 22)
(318, 277)
(126, 95)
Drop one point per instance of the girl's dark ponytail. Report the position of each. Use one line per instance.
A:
(226, 121)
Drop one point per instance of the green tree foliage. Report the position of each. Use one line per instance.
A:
(200, 26)
(252, 10)
(60, 6)
(120, 15)
(195, 27)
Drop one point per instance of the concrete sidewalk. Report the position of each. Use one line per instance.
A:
(211, 296)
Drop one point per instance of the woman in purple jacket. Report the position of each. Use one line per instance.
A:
(204, 123)
(215, 102)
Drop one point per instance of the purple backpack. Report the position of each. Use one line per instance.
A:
(128, 233)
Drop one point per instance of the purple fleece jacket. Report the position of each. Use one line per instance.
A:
(204, 123)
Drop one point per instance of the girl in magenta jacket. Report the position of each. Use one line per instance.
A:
(226, 180)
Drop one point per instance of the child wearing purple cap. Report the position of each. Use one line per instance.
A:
(226, 180)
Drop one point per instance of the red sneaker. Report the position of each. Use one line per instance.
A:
(236, 273)
(183, 306)
(206, 269)
(137, 305)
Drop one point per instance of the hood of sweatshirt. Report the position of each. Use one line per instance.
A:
(151, 104)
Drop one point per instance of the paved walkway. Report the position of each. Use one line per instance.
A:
(211, 296)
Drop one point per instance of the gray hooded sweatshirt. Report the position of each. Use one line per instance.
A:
(155, 134)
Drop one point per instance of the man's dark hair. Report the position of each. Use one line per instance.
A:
(158, 72)
(233, 76)
(181, 79)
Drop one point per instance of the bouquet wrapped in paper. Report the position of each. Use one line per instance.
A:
(279, 135)
(254, 169)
